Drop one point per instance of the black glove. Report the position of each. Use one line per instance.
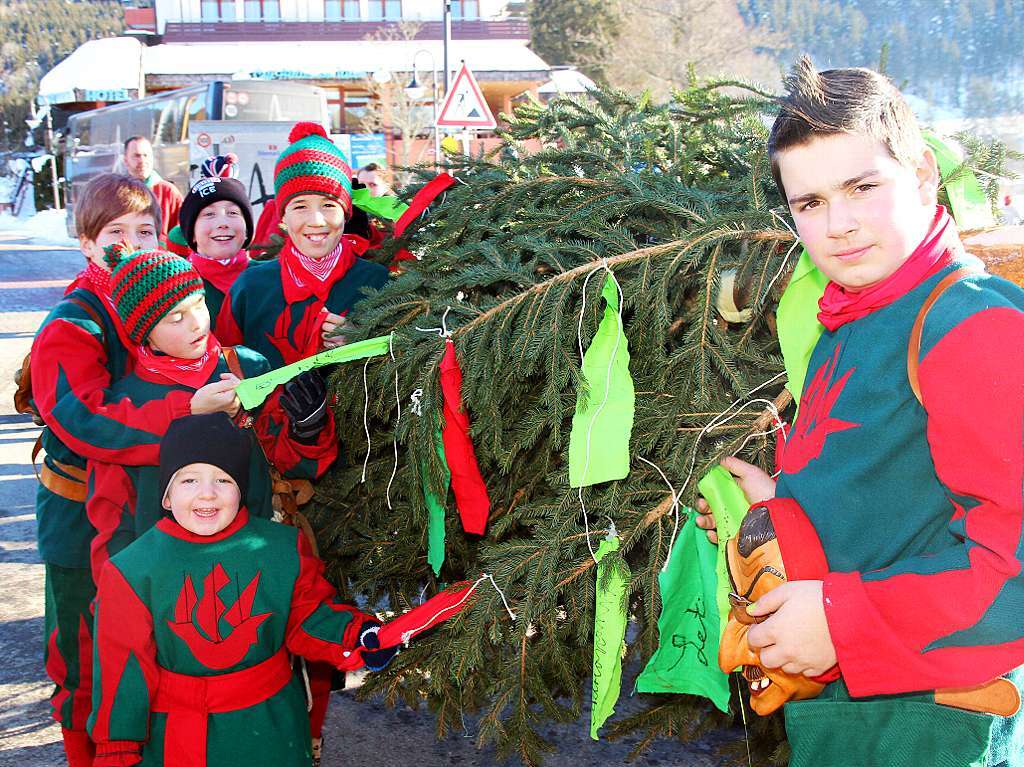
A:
(304, 401)
(374, 657)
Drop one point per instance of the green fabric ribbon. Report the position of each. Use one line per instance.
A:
(435, 506)
(729, 505)
(599, 441)
(686, 660)
(797, 321)
(386, 207)
(609, 633)
(967, 201)
(253, 391)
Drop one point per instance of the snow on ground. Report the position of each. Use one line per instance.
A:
(48, 227)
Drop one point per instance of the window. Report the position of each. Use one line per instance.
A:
(385, 10)
(217, 10)
(262, 10)
(465, 9)
(339, 10)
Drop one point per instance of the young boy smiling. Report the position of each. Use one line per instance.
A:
(160, 299)
(196, 621)
(908, 462)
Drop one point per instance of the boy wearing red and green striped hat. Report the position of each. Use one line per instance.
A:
(159, 298)
(288, 308)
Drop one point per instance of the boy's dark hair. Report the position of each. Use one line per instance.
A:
(111, 195)
(130, 139)
(852, 100)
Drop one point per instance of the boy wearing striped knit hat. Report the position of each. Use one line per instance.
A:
(159, 298)
(290, 307)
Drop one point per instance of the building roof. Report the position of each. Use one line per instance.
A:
(567, 80)
(116, 65)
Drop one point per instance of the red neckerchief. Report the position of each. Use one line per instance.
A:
(303, 277)
(938, 249)
(191, 373)
(170, 526)
(98, 279)
(220, 274)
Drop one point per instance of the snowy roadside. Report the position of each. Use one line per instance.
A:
(48, 227)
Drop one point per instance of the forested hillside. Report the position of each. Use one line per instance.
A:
(35, 35)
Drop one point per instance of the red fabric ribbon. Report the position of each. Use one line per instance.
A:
(435, 610)
(417, 205)
(221, 275)
(471, 497)
(936, 251)
(191, 373)
(299, 283)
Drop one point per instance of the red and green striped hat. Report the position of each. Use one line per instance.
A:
(312, 164)
(146, 285)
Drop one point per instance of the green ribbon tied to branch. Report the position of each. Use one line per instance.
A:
(435, 509)
(609, 632)
(686, 660)
(252, 392)
(386, 207)
(729, 505)
(603, 421)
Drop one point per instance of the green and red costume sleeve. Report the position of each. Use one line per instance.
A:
(111, 509)
(320, 627)
(126, 672)
(951, 617)
(72, 359)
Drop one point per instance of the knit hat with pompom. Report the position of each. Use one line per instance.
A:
(176, 243)
(312, 164)
(146, 285)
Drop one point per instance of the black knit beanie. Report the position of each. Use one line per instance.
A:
(209, 438)
(207, 191)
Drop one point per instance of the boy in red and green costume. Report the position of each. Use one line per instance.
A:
(197, 620)
(79, 348)
(160, 300)
(288, 308)
(916, 496)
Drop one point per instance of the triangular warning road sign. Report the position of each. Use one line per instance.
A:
(464, 106)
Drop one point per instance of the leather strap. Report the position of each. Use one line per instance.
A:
(231, 358)
(999, 697)
(73, 489)
(914, 345)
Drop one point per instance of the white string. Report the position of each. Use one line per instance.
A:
(398, 416)
(607, 387)
(675, 510)
(305, 680)
(785, 261)
(442, 331)
(407, 635)
(366, 425)
(415, 402)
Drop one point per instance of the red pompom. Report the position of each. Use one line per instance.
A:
(303, 129)
(231, 159)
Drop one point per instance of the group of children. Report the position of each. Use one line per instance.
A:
(906, 461)
(173, 604)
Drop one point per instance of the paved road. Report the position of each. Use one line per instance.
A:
(31, 281)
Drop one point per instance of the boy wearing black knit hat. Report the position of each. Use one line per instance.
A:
(160, 300)
(195, 621)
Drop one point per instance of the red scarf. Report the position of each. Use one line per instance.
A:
(303, 277)
(98, 279)
(220, 274)
(162, 368)
(939, 248)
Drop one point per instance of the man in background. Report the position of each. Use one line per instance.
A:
(138, 160)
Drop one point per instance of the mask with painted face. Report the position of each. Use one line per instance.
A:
(755, 561)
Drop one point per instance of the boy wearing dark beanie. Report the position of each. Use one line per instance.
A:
(160, 300)
(290, 307)
(197, 619)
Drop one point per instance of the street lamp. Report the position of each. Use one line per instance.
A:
(415, 92)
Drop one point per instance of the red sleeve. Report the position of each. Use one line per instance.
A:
(110, 507)
(126, 671)
(228, 331)
(952, 618)
(294, 459)
(69, 388)
(319, 626)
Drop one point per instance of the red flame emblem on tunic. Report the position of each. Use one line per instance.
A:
(197, 620)
(815, 423)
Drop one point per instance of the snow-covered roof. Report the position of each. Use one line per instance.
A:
(334, 60)
(99, 70)
(567, 80)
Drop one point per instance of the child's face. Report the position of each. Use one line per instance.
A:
(203, 498)
(315, 224)
(137, 229)
(182, 333)
(859, 212)
(220, 230)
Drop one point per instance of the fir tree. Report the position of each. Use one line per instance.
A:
(668, 197)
